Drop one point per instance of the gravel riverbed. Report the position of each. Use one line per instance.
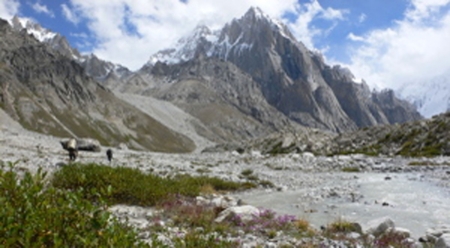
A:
(309, 187)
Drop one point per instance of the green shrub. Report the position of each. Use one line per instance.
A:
(247, 172)
(35, 215)
(131, 186)
(343, 226)
(351, 169)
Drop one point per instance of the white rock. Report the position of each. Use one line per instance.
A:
(433, 234)
(443, 241)
(270, 245)
(295, 156)
(256, 154)
(353, 235)
(122, 146)
(308, 155)
(246, 213)
(200, 200)
(403, 231)
(235, 153)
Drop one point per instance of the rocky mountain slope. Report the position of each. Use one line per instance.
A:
(423, 138)
(245, 81)
(229, 102)
(292, 79)
(101, 70)
(48, 92)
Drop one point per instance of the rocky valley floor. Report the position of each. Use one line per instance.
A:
(413, 193)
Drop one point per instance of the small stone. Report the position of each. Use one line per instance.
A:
(245, 212)
(270, 245)
(353, 235)
(423, 240)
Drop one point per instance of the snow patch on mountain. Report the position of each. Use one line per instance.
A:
(216, 42)
(430, 98)
(186, 47)
(32, 28)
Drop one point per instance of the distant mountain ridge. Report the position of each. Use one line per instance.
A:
(293, 79)
(99, 69)
(47, 91)
(247, 80)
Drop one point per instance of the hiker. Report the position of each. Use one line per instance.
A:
(109, 155)
(73, 149)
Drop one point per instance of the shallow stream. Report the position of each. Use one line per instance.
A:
(409, 200)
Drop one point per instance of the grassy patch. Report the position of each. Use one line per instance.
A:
(351, 169)
(34, 215)
(247, 172)
(343, 226)
(131, 186)
(427, 163)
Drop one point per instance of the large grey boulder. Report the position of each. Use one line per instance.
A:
(433, 234)
(379, 226)
(443, 241)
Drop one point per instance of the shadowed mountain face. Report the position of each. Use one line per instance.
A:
(219, 94)
(292, 79)
(297, 81)
(48, 92)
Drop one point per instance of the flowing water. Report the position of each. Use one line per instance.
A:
(413, 203)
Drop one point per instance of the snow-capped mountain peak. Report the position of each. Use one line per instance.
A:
(236, 36)
(187, 47)
(431, 97)
(40, 33)
(93, 66)
(256, 14)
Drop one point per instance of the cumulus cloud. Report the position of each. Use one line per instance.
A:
(129, 31)
(410, 51)
(42, 9)
(8, 8)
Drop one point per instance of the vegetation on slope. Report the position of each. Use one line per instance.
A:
(36, 215)
(131, 186)
(425, 138)
(70, 209)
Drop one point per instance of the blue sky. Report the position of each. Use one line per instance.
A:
(389, 43)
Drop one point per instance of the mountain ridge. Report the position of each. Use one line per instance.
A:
(48, 92)
(293, 79)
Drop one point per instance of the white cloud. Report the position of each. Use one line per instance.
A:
(42, 9)
(362, 18)
(354, 37)
(412, 50)
(8, 8)
(306, 13)
(69, 14)
(158, 24)
(421, 9)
